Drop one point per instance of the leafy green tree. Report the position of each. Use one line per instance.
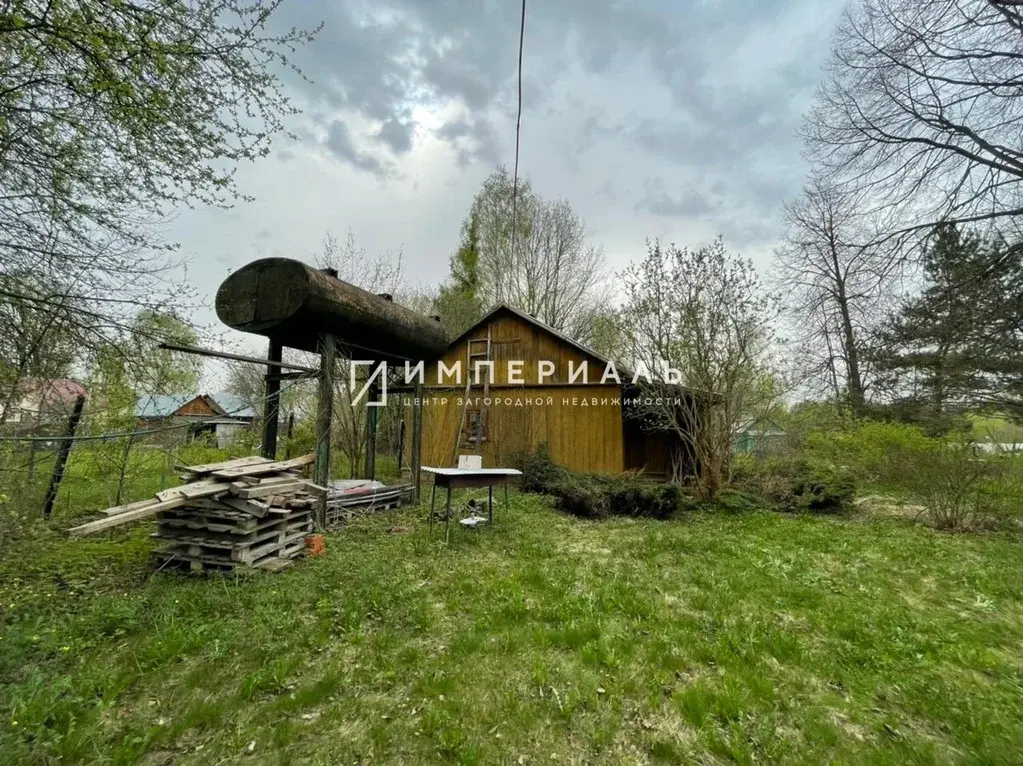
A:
(459, 303)
(111, 114)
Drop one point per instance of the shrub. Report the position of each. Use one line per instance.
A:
(958, 487)
(582, 498)
(540, 475)
(953, 482)
(630, 495)
(819, 489)
(796, 484)
(596, 496)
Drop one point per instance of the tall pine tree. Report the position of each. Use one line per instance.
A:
(957, 344)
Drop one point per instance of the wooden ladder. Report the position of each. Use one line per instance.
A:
(477, 349)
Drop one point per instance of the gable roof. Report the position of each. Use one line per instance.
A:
(55, 391)
(622, 370)
(163, 406)
(537, 323)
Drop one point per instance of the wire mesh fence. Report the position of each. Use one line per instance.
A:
(126, 451)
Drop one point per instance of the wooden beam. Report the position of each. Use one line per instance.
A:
(124, 518)
(62, 455)
(205, 488)
(235, 357)
(261, 468)
(416, 459)
(324, 415)
(272, 402)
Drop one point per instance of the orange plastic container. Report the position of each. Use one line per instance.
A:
(315, 545)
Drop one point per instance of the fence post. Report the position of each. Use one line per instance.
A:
(62, 454)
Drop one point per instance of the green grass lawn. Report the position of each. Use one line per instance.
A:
(756, 637)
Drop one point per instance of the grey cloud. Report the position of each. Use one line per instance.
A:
(339, 142)
(397, 135)
(689, 202)
(406, 52)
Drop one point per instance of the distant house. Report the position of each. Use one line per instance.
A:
(40, 401)
(760, 438)
(221, 416)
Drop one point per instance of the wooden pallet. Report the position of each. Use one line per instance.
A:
(273, 563)
(245, 551)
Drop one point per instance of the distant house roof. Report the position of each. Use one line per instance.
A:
(57, 391)
(234, 406)
(162, 406)
(763, 428)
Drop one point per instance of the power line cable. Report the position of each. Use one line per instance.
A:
(518, 130)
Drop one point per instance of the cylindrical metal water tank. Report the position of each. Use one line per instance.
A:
(293, 303)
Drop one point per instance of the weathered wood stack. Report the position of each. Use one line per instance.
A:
(348, 498)
(249, 512)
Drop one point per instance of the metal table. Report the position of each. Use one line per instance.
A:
(465, 478)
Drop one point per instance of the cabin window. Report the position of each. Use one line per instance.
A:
(474, 430)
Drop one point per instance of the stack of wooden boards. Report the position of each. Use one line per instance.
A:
(346, 498)
(248, 512)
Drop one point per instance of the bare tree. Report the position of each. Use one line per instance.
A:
(705, 314)
(921, 110)
(554, 274)
(382, 273)
(833, 282)
(548, 269)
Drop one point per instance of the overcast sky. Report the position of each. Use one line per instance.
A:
(654, 118)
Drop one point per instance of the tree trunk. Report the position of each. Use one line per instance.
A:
(854, 383)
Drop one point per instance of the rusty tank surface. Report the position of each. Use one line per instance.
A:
(293, 303)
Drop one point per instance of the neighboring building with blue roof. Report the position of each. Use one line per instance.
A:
(221, 416)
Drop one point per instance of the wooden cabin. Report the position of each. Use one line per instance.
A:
(587, 426)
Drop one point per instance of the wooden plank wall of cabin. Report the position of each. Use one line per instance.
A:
(645, 451)
(514, 339)
(580, 438)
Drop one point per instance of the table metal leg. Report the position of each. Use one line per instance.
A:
(447, 515)
(506, 497)
(490, 503)
(433, 498)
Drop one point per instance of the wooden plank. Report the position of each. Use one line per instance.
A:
(265, 491)
(124, 518)
(117, 509)
(268, 467)
(278, 481)
(194, 491)
(237, 462)
(251, 506)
